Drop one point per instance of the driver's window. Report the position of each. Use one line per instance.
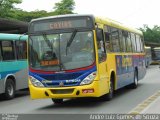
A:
(101, 45)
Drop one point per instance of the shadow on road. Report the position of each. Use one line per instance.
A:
(19, 94)
(71, 103)
(88, 102)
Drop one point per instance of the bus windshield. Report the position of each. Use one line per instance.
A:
(61, 51)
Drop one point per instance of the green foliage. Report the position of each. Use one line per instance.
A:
(7, 10)
(151, 34)
(7, 6)
(64, 7)
(28, 16)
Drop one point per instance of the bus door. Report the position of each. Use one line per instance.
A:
(102, 67)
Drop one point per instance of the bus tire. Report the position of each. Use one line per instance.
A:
(135, 83)
(9, 89)
(57, 101)
(109, 96)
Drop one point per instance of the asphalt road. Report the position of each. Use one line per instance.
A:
(123, 102)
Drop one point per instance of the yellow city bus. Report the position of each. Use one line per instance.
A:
(72, 56)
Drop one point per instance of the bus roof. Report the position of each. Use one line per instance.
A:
(116, 24)
(4, 36)
(106, 21)
(60, 16)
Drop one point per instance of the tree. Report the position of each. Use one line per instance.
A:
(64, 7)
(151, 35)
(28, 16)
(7, 10)
(7, 6)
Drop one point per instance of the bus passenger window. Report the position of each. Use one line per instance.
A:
(115, 39)
(122, 42)
(133, 40)
(21, 49)
(107, 38)
(7, 50)
(127, 37)
(126, 42)
(142, 45)
(107, 42)
(138, 41)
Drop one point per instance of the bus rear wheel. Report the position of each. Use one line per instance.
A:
(57, 101)
(9, 89)
(135, 83)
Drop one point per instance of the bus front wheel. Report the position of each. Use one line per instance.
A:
(57, 101)
(109, 96)
(9, 89)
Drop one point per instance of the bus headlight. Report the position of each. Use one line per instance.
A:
(89, 79)
(36, 82)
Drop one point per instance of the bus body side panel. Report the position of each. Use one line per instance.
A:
(139, 63)
(141, 67)
(5, 71)
(125, 70)
(22, 79)
(125, 67)
(18, 69)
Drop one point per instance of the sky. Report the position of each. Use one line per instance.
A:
(134, 13)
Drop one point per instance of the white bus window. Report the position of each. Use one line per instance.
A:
(115, 40)
(142, 45)
(138, 41)
(128, 42)
(122, 41)
(133, 40)
(107, 38)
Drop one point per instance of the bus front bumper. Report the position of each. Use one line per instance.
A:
(92, 90)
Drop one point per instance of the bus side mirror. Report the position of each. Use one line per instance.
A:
(99, 34)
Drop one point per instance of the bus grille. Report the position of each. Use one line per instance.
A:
(65, 84)
(62, 91)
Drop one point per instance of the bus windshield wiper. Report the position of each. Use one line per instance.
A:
(50, 45)
(47, 41)
(71, 39)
